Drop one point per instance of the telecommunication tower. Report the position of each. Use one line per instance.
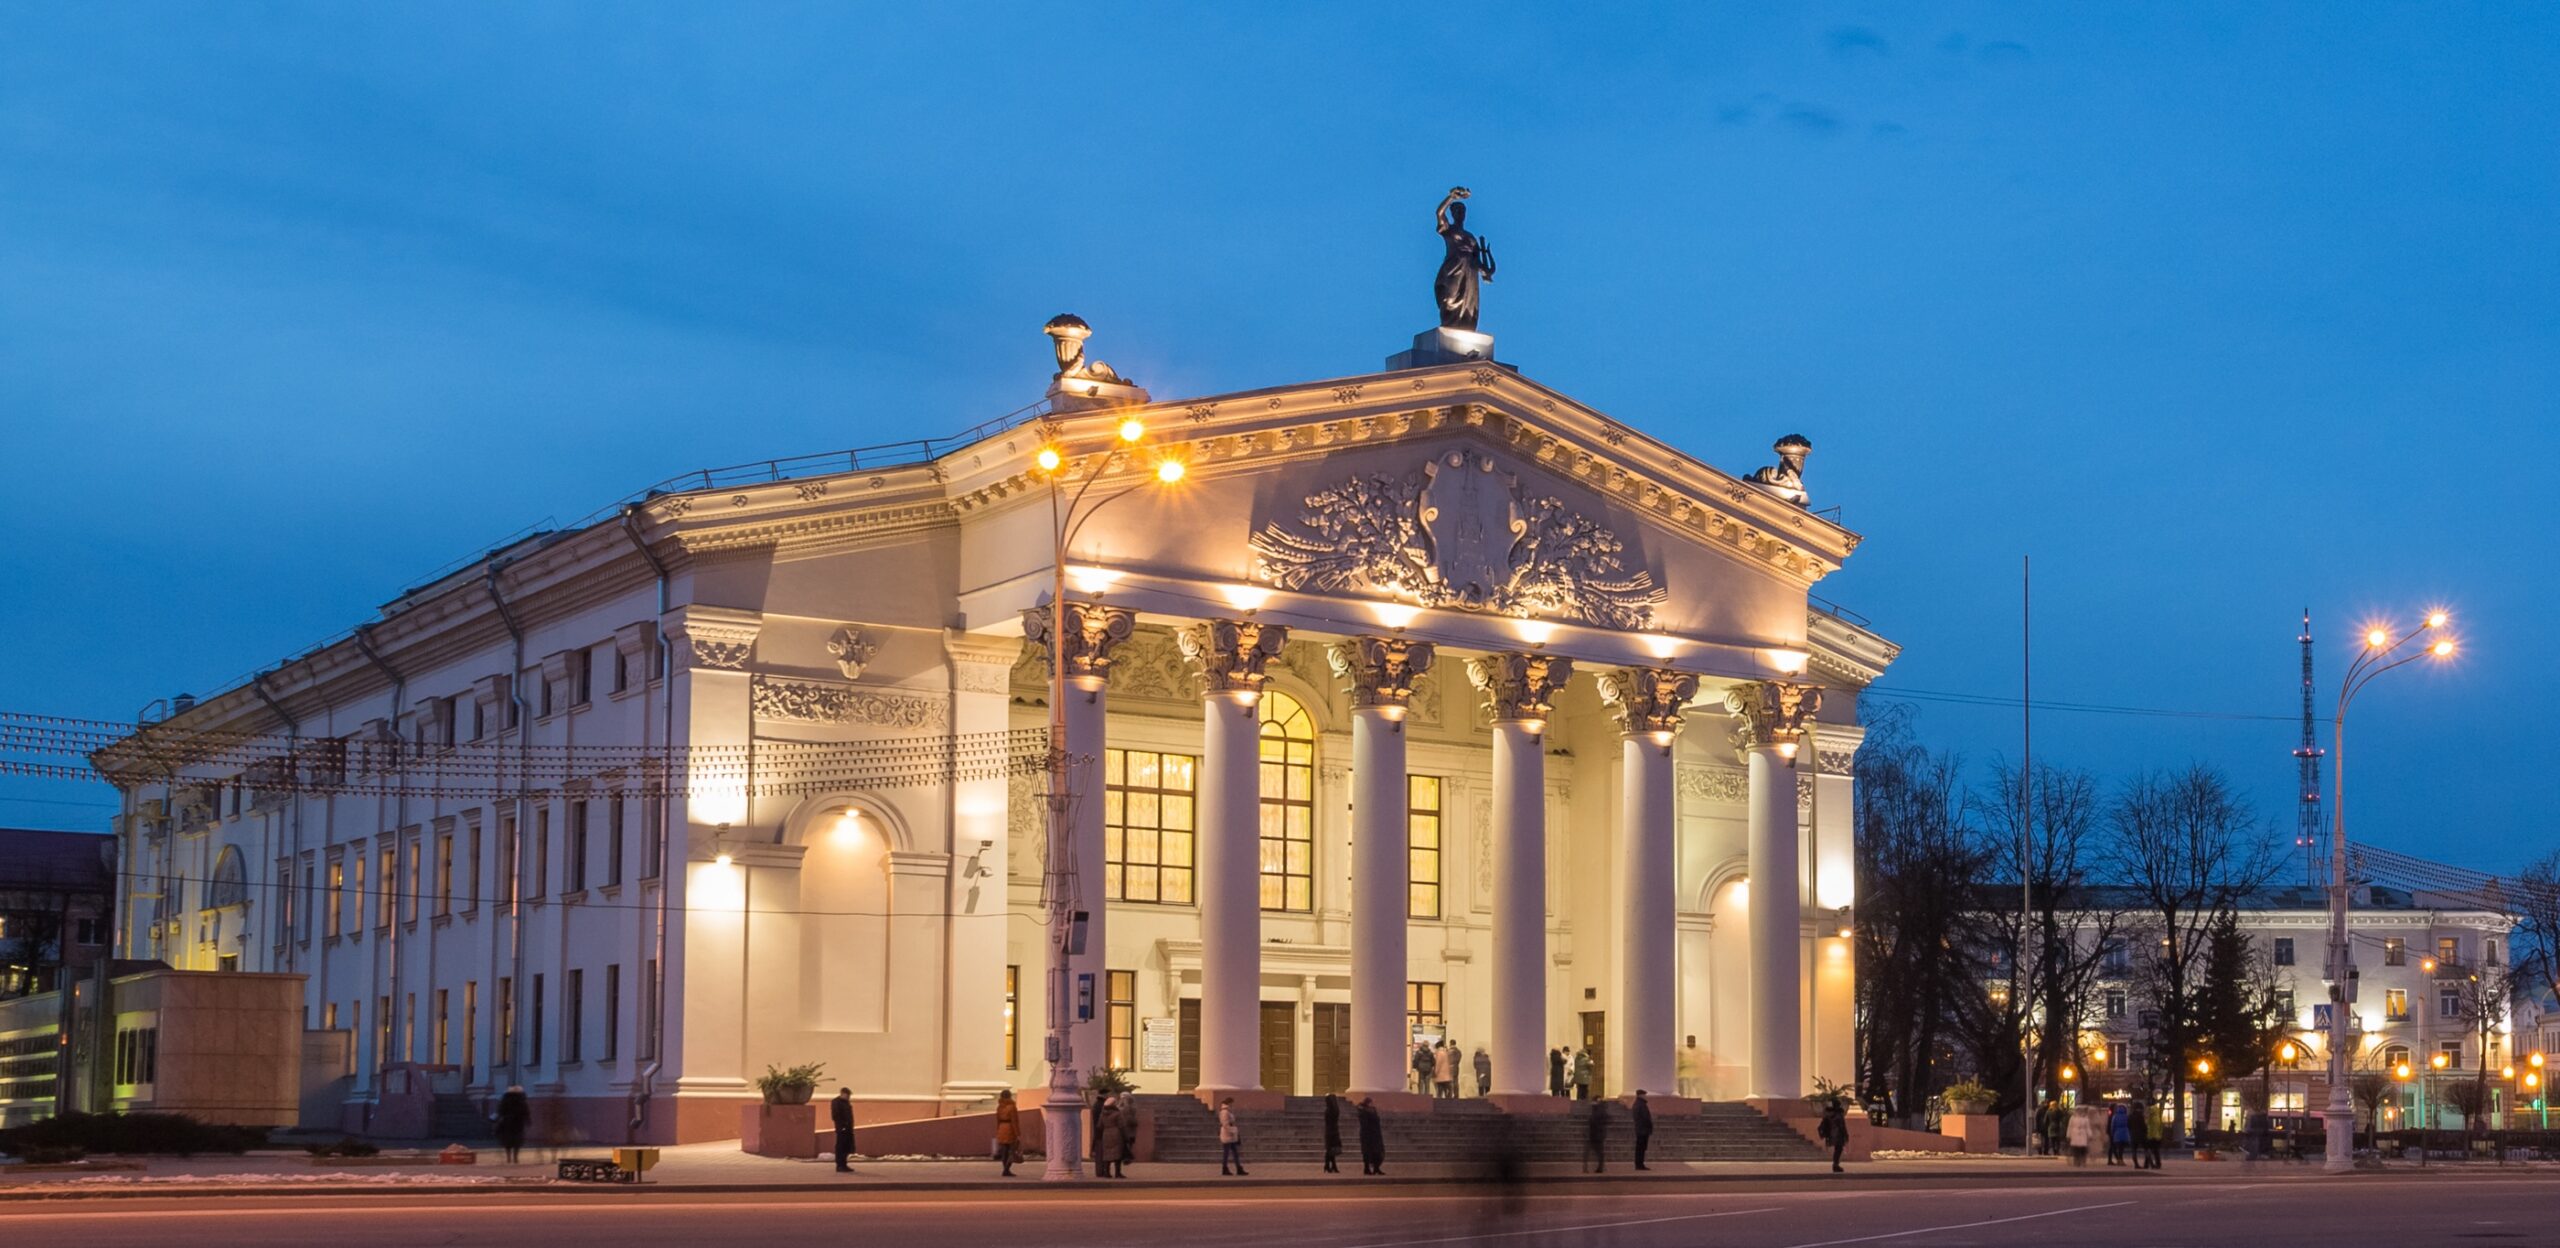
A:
(2309, 839)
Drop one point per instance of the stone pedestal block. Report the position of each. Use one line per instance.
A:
(778, 1130)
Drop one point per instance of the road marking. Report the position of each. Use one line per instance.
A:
(1958, 1226)
(1561, 1230)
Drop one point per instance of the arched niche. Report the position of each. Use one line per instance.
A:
(844, 908)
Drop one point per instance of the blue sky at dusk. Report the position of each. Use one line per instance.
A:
(2216, 311)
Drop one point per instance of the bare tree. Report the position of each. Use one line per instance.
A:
(1916, 866)
(2057, 951)
(2534, 947)
(2188, 850)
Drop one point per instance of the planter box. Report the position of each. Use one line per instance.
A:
(778, 1130)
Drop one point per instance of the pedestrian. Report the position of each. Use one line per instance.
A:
(1834, 1131)
(1444, 1070)
(1555, 1072)
(1582, 1075)
(2137, 1134)
(2119, 1133)
(1008, 1131)
(1595, 1138)
(2078, 1134)
(1642, 1114)
(1110, 1140)
(2155, 1134)
(840, 1112)
(1689, 1067)
(1230, 1138)
(1373, 1139)
(1484, 1072)
(1332, 1132)
(514, 1113)
(1422, 1068)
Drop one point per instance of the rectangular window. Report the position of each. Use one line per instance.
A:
(2448, 1003)
(2284, 950)
(2452, 1050)
(621, 670)
(536, 1058)
(1148, 811)
(92, 932)
(409, 868)
(479, 719)
(471, 881)
(1422, 846)
(507, 865)
(2118, 1054)
(2284, 1002)
(408, 1024)
(444, 874)
(582, 670)
(2395, 951)
(2488, 951)
(649, 989)
(612, 1010)
(573, 1015)
(575, 850)
(613, 839)
(653, 856)
(443, 1020)
(538, 882)
(389, 890)
(2395, 1005)
(1120, 1013)
(329, 1017)
(2114, 958)
(1425, 1007)
(2115, 1003)
(2448, 951)
(137, 1056)
(382, 1032)
(470, 1029)
(337, 896)
(1012, 1018)
(546, 697)
(506, 1049)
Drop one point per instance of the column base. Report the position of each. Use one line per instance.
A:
(1246, 1098)
(1532, 1104)
(1669, 1106)
(1396, 1102)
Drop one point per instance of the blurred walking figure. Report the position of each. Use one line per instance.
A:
(1834, 1131)
(1582, 1075)
(1373, 1139)
(1230, 1137)
(2080, 1133)
(2119, 1133)
(840, 1112)
(1555, 1072)
(1484, 1072)
(1595, 1138)
(1642, 1114)
(1444, 1070)
(514, 1113)
(1332, 1132)
(1689, 1067)
(1008, 1131)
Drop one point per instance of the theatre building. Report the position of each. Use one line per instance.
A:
(1424, 702)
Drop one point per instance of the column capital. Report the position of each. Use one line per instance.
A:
(1093, 632)
(1518, 685)
(1382, 670)
(716, 637)
(1772, 712)
(1232, 654)
(1647, 700)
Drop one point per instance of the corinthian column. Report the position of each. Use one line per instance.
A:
(1232, 657)
(1381, 672)
(1774, 715)
(1647, 701)
(1520, 690)
(1075, 826)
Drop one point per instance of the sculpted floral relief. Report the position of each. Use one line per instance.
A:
(1458, 532)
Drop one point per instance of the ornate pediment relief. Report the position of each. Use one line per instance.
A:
(1458, 530)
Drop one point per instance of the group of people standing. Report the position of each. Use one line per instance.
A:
(1569, 1072)
(1435, 1069)
(2128, 1131)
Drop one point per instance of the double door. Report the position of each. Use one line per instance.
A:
(1331, 1056)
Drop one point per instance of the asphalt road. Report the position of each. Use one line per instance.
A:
(2377, 1210)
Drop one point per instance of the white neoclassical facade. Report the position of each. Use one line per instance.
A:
(1423, 701)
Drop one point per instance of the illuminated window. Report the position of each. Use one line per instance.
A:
(2395, 1005)
(1121, 1013)
(1422, 846)
(444, 873)
(1148, 806)
(1425, 1005)
(1288, 804)
(2395, 951)
(2449, 950)
(1012, 1018)
(337, 895)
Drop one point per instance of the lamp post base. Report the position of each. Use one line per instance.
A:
(2340, 1129)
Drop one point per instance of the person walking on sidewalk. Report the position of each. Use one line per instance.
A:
(1642, 1115)
(2119, 1133)
(1595, 1138)
(1444, 1070)
(1008, 1131)
(1373, 1139)
(1110, 1140)
(1582, 1075)
(840, 1112)
(1484, 1072)
(1332, 1132)
(514, 1114)
(1555, 1072)
(1230, 1138)
(1834, 1131)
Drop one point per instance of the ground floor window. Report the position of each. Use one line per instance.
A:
(1425, 1007)
(1147, 824)
(137, 1055)
(1012, 1018)
(1122, 1019)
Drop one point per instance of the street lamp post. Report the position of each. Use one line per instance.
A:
(1062, 1115)
(2338, 1122)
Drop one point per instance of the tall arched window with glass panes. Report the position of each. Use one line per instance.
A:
(1288, 804)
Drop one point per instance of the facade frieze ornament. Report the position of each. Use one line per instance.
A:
(853, 651)
(1094, 631)
(826, 702)
(1233, 655)
(1647, 699)
(724, 642)
(1459, 532)
(1519, 686)
(1382, 670)
(1771, 712)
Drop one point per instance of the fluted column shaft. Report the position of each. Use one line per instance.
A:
(1774, 715)
(1520, 691)
(1231, 656)
(1648, 702)
(1380, 672)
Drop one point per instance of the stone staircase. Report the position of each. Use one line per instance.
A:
(455, 1118)
(1465, 1130)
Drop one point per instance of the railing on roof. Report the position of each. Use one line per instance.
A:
(1838, 612)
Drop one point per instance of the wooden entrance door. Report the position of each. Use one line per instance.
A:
(1333, 1047)
(1595, 1041)
(1279, 1046)
(1187, 1045)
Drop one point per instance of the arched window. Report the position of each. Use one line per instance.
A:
(230, 883)
(1288, 804)
(2395, 1055)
